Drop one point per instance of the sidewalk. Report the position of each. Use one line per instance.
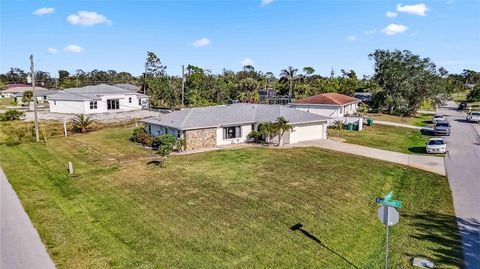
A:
(381, 122)
(20, 244)
(427, 163)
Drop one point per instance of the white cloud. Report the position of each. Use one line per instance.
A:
(88, 18)
(44, 11)
(394, 29)
(391, 14)
(266, 2)
(370, 32)
(418, 9)
(247, 61)
(52, 50)
(73, 49)
(202, 42)
(351, 38)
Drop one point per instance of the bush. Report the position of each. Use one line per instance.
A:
(254, 136)
(10, 115)
(166, 144)
(136, 133)
(474, 94)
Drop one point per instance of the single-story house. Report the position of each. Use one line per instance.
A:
(204, 127)
(96, 99)
(333, 105)
(41, 96)
(15, 90)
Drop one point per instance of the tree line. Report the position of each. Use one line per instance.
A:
(401, 82)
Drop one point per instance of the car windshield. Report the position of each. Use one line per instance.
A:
(442, 125)
(436, 142)
(475, 113)
(438, 116)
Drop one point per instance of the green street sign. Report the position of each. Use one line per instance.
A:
(392, 203)
(388, 196)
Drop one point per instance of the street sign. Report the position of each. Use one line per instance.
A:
(388, 216)
(388, 196)
(392, 203)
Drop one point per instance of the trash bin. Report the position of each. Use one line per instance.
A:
(369, 121)
(350, 126)
(355, 126)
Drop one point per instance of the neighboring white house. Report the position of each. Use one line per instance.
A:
(17, 90)
(204, 127)
(96, 99)
(333, 105)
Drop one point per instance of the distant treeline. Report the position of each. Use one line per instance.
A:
(401, 82)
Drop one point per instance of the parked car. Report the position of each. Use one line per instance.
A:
(438, 117)
(462, 106)
(441, 128)
(473, 116)
(436, 145)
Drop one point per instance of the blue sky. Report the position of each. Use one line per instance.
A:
(222, 34)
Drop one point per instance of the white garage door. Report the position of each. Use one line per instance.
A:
(307, 132)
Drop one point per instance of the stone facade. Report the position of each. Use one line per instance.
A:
(201, 138)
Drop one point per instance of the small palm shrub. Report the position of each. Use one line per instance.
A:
(82, 123)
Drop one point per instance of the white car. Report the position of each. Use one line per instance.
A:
(438, 118)
(473, 116)
(436, 145)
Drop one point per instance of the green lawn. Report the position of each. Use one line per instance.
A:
(225, 209)
(4, 102)
(393, 138)
(419, 120)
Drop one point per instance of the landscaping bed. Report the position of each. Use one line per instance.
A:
(420, 120)
(226, 208)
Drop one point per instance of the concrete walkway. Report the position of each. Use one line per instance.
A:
(381, 122)
(427, 163)
(20, 244)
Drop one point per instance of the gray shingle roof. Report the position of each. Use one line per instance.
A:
(90, 93)
(215, 116)
(126, 86)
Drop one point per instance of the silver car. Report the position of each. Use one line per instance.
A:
(438, 117)
(436, 145)
(473, 116)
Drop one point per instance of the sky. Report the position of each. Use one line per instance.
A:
(216, 34)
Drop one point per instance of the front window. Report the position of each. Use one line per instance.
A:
(139, 102)
(93, 105)
(232, 132)
(129, 99)
(113, 104)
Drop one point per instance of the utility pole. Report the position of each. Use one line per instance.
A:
(183, 85)
(32, 69)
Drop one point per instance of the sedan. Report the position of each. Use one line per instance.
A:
(436, 145)
(438, 118)
(473, 116)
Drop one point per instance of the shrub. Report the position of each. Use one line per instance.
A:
(10, 115)
(136, 133)
(81, 123)
(166, 144)
(474, 94)
(254, 136)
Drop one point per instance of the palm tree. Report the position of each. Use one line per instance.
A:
(81, 123)
(289, 74)
(338, 124)
(268, 129)
(281, 125)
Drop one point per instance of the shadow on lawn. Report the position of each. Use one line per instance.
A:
(417, 150)
(298, 227)
(442, 230)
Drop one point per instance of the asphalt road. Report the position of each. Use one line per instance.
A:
(463, 170)
(20, 244)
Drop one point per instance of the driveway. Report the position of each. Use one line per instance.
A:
(427, 163)
(463, 171)
(20, 244)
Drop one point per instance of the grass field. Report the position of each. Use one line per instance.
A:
(419, 120)
(393, 138)
(4, 102)
(225, 209)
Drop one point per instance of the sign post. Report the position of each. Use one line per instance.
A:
(388, 215)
